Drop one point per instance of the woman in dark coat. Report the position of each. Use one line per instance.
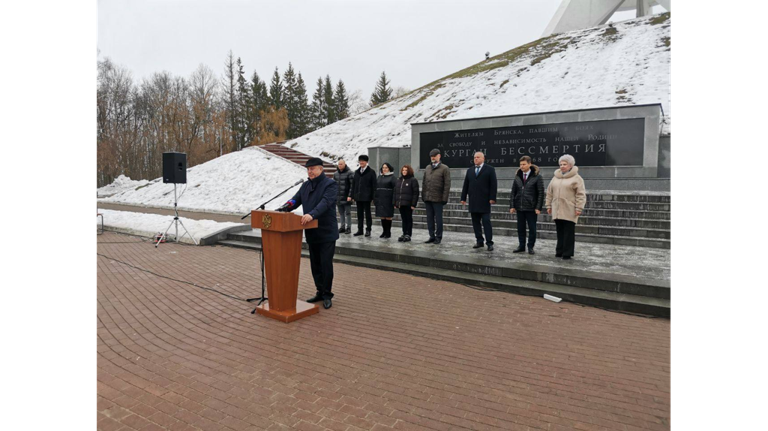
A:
(406, 197)
(385, 209)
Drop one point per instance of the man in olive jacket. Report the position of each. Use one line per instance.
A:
(436, 186)
(527, 200)
(481, 184)
(363, 188)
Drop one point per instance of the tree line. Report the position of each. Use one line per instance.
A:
(206, 116)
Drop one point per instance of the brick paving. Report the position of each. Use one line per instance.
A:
(394, 352)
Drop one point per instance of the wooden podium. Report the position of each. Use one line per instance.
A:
(281, 244)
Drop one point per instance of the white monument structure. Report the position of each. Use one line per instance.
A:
(578, 14)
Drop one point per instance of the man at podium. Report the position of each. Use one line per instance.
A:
(318, 199)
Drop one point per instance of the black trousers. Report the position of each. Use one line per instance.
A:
(364, 208)
(321, 262)
(486, 225)
(566, 238)
(406, 213)
(528, 218)
(434, 217)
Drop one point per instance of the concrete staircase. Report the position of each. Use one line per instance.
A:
(297, 157)
(619, 218)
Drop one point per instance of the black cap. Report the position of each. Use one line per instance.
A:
(434, 152)
(314, 161)
(363, 158)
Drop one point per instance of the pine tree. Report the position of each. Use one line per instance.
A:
(341, 101)
(276, 91)
(383, 92)
(302, 107)
(319, 107)
(244, 121)
(230, 99)
(329, 102)
(290, 101)
(260, 96)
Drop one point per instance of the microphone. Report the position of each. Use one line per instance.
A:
(286, 207)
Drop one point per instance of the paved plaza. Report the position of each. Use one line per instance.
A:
(178, 349)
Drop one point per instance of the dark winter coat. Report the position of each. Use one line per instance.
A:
(529, 196)
(481, 189)
(364, 186)
(318, 199)
(344, 181)
(436, 184)
(385, 190)
(406, 192)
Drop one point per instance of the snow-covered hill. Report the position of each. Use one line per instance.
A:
(625, 63)
(234, 183)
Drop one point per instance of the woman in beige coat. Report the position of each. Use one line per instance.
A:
(566, 198)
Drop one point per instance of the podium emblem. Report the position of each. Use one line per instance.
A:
(266, 221)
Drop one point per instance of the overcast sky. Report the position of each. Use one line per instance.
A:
(414, 41)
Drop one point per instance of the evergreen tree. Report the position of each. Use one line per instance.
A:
(319, 108)
(276, 91)
(383, 92)
(230, 99)
(290, 100)
(244, 118)
(260, 96)
(329, 102)
(341, 101)
(302, 107)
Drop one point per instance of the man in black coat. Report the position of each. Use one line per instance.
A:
(363, 189)
(317, 196)
(481, 185)
(343, 177)
(527, 200)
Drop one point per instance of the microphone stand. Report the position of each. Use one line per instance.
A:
(261, 207)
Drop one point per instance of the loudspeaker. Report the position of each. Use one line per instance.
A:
(175, 168)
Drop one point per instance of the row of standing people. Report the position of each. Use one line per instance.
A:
(565, 199)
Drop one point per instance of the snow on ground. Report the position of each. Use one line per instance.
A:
(150, 224)
(626, 64)
(121, 184)
(234, 183)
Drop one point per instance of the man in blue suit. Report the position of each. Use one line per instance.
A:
(481, 184)
(318, 196)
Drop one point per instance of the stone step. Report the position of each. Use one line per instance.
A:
(588, 212)
(607, 291)
(547, 233)
(550, 226)
(596, 196)
(583, 220)
(503, 203)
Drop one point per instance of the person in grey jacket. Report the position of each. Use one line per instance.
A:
(343, 177)
(527, 200)
(436, 188)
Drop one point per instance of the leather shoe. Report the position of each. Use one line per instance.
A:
(430, 241)
(327, 303)
(316, 298)
(530, 251)
(566, 257)
(438, 240)
(478, 245)
(518, 250)
(490, 248)
(368, 233)
(349, 230)
(358, 233)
